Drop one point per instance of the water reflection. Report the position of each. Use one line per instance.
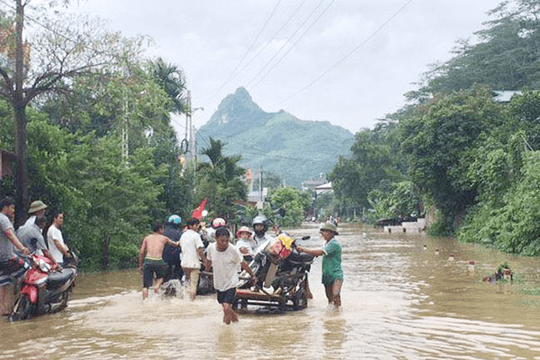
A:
(334, 336)
(401, 300)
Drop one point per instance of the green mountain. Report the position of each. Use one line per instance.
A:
(294, 149)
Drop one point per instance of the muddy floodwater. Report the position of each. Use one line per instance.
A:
(401, 300)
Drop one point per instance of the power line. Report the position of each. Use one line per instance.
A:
(285, 44)
(230, 77)
(340, 61)
(285, 23)
(39, 23)
(293, 45)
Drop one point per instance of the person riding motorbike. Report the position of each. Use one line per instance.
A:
(260, 226)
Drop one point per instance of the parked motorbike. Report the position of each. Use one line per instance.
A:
(44, 289)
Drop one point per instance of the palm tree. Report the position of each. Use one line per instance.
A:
(221, 179)
(172, 80)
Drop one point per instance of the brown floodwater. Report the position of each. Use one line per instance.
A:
(401, 300)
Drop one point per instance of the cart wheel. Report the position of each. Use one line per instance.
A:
(300, 300)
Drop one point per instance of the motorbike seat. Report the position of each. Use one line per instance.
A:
(301, 258)
(59, 278)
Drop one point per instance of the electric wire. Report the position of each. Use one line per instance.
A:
(250, 48)
(39, 23)
(349, 54)
(285, 43)
(261, 49)
(293, 45)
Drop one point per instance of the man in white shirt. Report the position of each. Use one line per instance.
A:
(55, 240)
(192, 253)
(226, 259)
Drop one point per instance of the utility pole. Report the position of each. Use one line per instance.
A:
(192, 150)
(260, 184)
(188, 122)
(260, 203)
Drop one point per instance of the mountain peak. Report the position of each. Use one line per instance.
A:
(279, 142)
(239, 109)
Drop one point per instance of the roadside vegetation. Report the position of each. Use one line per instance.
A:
(99, 143)
(90, 120)
(458, 150)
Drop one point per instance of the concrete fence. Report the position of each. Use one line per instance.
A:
(407, 227)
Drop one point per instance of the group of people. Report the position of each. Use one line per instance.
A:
(27, 239)
(220, 256)
(224, 257)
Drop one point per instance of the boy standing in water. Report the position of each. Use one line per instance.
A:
(151, 258)
(225, 258)
(332, 273)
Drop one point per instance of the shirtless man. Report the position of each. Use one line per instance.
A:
(151, 257)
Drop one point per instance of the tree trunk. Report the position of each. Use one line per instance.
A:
(19, 105)
(105, 253)
(21, 174)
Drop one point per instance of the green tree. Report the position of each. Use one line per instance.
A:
(374, 157)
(438, 145)
(172, 80)
(271, 180)
(48, 62)
(395, 200)
(513, 225)
(108, 205)
(220, 180)
(293, 201)
(505, 57)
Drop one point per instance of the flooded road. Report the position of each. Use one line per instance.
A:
(401, 300)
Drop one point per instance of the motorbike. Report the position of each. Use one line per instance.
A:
(44, 289)
(282, 275)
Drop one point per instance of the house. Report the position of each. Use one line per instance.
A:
(505, 96)
(324, 188)
(312, 183)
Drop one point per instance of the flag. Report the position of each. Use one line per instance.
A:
(198, 212)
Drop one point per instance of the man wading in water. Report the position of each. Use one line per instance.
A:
(151, 254)
(332, 273)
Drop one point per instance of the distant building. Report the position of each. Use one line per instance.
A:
(505, 95)
(324, 188)
(257, 198)
(312, 184)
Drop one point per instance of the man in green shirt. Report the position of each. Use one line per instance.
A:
(332, 273)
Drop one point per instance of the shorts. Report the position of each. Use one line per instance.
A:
(227, 296)
(151, 267)
(12, 269)
(328, 280)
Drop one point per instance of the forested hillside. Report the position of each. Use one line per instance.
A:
(295, 149)
(454, 148)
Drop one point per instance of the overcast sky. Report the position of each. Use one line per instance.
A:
(348, 62)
